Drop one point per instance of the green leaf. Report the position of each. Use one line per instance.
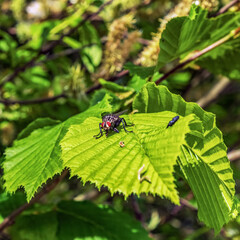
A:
(9, 203)
(213, 196)
(156, 99)
(136, 83)
(186, 34)
(36, 158)
(223, 60)
(77, 220)
(114, 86)
(92, 55)
(38, 123)
(209, 155)
(103, 162)
(84, 220)
(33, 160)
(143, 72)
(91, 52)
(35, 226)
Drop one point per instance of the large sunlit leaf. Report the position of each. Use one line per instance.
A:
(38, 123)
(151, 147)
(211, 157)
(213, 196)
(195, 32)
(36, 158)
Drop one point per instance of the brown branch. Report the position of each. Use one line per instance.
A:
(234, 155)
(214, 92)
(111, 79)
(136, 209)
(19, 70)
(226, 7)
(62, 95)
(32, 101)
(199, 54)
(10, 219)
(51, 45)
(63, 53)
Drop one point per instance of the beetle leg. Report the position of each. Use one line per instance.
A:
(123, 121)
(115, 130)
(100, 134)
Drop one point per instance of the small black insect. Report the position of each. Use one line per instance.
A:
(172, 121)
(111, 122)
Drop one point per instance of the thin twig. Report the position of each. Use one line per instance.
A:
(199, 54)
(10, 219)
(19, 70)
(32, 101)
(62, 95)
(234, 155)
(136, 209)
(111, 79)
(226, 7)
(51, 45)
(63, 53)
(214, 92)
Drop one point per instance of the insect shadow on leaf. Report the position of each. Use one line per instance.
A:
(110, 122)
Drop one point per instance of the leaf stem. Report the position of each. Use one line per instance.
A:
(32, 101)
(9, 220)
(226, 7)
(198, 54)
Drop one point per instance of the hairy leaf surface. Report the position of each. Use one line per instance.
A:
(34, 159)
(212, 152)
(151, 147)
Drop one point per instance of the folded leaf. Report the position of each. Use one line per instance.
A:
(206, 159)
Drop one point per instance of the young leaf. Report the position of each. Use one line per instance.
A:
(142, 72)
(103, 162)
(114, 86)
(186, 34)
(38, 123)
(37, 157)
(211, 156)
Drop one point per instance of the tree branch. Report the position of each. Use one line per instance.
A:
(32, 101)
(199, 54)
(214, 92)
(111, 79)
(234, 155)
(226, 7)
(10, 219)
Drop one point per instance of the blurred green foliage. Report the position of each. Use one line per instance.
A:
(45, 54)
